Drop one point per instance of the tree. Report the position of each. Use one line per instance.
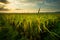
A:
(39, 10)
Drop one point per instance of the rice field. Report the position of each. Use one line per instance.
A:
(29, 26)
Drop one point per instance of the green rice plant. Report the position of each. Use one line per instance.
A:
(29, 27)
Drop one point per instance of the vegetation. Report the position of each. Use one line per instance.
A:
(29, 27)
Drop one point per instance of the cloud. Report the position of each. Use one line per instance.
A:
(29, 1)
(21, 4)
(29, 4)
(2, 5)
(4, 1)
(53, 2)
(8, 5)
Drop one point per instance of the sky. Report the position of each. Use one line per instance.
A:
(31, 5)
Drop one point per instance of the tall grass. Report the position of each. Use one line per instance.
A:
(29, 27)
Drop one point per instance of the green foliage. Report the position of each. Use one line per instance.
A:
(29, 27)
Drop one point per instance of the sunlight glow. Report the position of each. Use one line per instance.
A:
(11, 5)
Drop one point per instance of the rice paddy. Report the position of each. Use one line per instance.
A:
(29, 26)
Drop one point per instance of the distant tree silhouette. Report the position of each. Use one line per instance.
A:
(39, 10)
